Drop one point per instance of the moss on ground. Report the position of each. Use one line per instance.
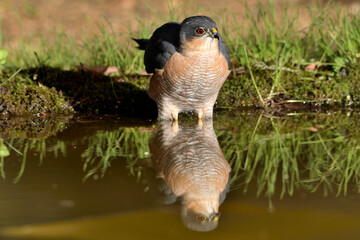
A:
(95, 93)
(20, 96)
(46, 90)
(298, 87)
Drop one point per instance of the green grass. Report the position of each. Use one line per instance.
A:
(268, 53)
(268, 37)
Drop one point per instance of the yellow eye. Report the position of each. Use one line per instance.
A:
(201, 218)
(200, 31)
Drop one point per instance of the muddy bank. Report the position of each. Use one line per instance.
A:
(52, 91)
(46, 91)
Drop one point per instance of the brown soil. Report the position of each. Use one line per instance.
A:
(23, 19)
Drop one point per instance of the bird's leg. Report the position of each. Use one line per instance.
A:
(175, 115)
(175, 127)
(200, 123)
(167, 110)
(207, 110)
(169, 129)
(200, 114)
(174, 112)
(206, 126)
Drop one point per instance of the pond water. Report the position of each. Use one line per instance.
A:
(292, 176)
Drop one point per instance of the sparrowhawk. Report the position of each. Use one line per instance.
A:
(190, 162)
(189, 62)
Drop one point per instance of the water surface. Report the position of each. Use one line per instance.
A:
(293, 176)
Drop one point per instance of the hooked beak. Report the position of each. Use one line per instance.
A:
(215, 217)
(214, 33)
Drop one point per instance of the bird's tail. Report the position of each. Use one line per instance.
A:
(142, 43)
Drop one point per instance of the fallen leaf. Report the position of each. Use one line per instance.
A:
(144, 73)
(314, 129)
(313, 66)
(110, 70)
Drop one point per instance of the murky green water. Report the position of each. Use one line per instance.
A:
(294, 176)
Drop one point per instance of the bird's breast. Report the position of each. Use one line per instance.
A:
(194, 74)
(198, 169)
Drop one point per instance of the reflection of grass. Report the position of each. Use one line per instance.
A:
(297, 157)
(4, 152)
(336, 160)
(20, 147)
(276, 155)
(35, 145)
(270, 152)
(128, 143)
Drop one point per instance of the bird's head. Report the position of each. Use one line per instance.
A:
(199, 32)
(201, 215)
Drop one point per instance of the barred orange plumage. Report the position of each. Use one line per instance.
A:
(189, 66)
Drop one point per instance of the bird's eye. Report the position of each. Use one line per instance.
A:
(201, 218)
(200, 31)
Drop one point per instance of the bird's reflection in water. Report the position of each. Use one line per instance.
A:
(192, 167)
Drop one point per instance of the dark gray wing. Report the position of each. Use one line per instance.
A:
(142, 43)
(158, 49)
(224, 50)
(225, 191)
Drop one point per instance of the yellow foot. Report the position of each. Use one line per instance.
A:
(200, 114)
(200, 123)
(175, 116)
(175, 127)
